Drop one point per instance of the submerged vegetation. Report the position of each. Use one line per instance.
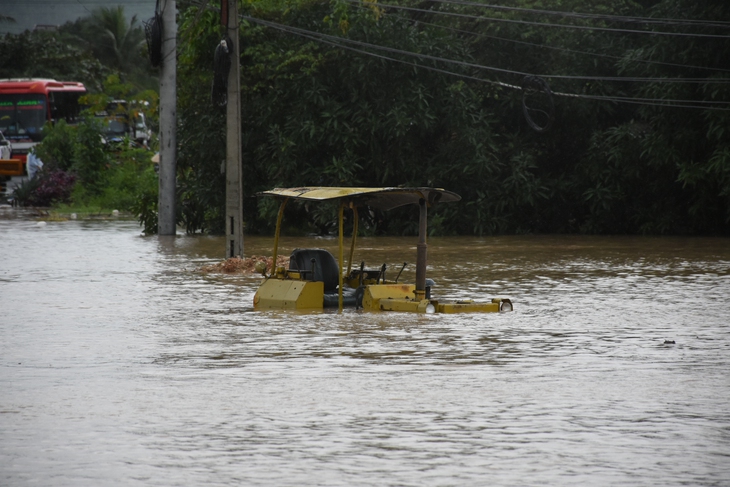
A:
(350, 93)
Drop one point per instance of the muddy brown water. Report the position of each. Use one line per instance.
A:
(121, 364)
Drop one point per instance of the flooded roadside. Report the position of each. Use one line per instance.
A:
(121, 363)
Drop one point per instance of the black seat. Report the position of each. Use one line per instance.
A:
(325, 268)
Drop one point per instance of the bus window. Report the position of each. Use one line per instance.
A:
(65, 105)
(7, 114)
(22, 115)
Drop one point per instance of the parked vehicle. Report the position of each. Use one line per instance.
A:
(123, 122)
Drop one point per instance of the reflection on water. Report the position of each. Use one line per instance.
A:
(123, 365)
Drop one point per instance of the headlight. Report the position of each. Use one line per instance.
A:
(430, 308)
(505, 306)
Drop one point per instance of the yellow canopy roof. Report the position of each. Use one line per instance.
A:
(379, 198)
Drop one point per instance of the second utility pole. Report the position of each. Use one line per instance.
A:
(234, 181)
(168, 121)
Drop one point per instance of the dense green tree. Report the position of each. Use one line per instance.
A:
(312, 114)
(665, 168)
(612, 162)
(638, 143)
(40, 54)
(87, 50)
(118, 43)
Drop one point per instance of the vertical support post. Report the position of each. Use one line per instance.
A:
(421, 256)
(342, 252)
(168, 121)
(355, 220)
(275, 254)
(234, 181)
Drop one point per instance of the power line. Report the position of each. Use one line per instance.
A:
(561, 49)
(85, 8)
(543, 24)
(490, 68)
(577, 15)
(336, 42)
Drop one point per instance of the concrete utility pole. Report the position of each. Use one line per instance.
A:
(168, 121)
(234, 181)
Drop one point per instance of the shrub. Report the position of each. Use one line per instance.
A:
(125, 180)
(145, 204)
(90, 159)
(57, 149)
(50, 186)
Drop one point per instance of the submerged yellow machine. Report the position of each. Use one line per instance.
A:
(315, 280)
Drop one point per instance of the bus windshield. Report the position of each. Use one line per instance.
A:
(23, 116)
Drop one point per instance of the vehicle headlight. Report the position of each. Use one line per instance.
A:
(430, 308)
(505, 306)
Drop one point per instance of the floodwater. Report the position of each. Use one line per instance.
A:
(121, 364)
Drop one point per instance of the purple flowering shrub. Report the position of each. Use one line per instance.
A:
(46, 188)
(55, 187)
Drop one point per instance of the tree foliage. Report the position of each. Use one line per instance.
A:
(118, 43)
(79, 169)
(614, 161)
(87, 50)
(40, 54)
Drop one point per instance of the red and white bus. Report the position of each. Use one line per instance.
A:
(27, 104)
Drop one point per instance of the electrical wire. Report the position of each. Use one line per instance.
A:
(490, 68)
(316, 38)
(578, 15)
(85, 8)
(560, 49)
(541, 24)
(334, 41)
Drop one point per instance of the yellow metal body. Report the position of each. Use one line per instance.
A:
(402, 297)
(375, 293)
(407, 305)
(422, 306)
(467, 307)
(277, 293)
